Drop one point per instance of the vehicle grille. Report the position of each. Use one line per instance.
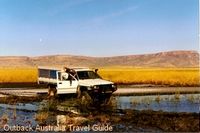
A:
(105, 88)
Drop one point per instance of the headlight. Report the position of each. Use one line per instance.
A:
(114, 86)
(96, 87)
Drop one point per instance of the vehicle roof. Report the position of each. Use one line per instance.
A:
(75, 68)
(81, 69)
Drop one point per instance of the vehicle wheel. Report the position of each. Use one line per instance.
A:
(85, 98)
(106, 99)
(78, 92)
(52, 91)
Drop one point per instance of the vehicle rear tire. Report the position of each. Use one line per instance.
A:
(52, 92)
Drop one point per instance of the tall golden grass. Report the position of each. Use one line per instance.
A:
(158, 76)
(18, 74)
(120, 75)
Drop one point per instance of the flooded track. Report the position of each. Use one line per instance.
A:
(120, 91)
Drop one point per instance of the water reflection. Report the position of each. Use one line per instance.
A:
(168, 103)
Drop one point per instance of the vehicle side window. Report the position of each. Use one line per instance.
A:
(66, 76)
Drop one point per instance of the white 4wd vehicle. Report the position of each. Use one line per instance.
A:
(82, 81)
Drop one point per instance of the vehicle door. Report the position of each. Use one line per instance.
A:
(66, 83)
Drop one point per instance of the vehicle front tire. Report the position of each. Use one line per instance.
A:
(85, 98)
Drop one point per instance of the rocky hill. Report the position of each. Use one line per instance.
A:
(162, 59)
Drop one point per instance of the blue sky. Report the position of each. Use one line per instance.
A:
(97, 27)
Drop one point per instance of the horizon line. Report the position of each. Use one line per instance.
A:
(195, 51)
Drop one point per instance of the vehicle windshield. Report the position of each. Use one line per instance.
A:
(88, 75)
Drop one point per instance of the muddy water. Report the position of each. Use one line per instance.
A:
(25, 114)
(167, 103)
(19, 114)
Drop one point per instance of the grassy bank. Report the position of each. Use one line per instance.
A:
(123, 75)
